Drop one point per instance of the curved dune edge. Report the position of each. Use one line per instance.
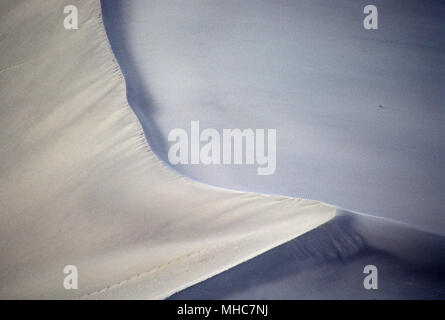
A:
(85, 189)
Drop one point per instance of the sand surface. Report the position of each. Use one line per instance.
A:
(311, 71)
(80, 185)
(328, 263)
(83, 187)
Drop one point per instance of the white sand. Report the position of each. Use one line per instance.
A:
(81, 186)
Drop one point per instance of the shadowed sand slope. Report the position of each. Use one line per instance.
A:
(328, 263)
(359, 114)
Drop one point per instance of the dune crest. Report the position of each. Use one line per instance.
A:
(82, 187)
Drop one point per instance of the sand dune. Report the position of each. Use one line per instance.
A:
(80, 185)
(359, 118)
(311, 71)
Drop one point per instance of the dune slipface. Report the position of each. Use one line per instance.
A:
(80, 185)
(359, 114)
